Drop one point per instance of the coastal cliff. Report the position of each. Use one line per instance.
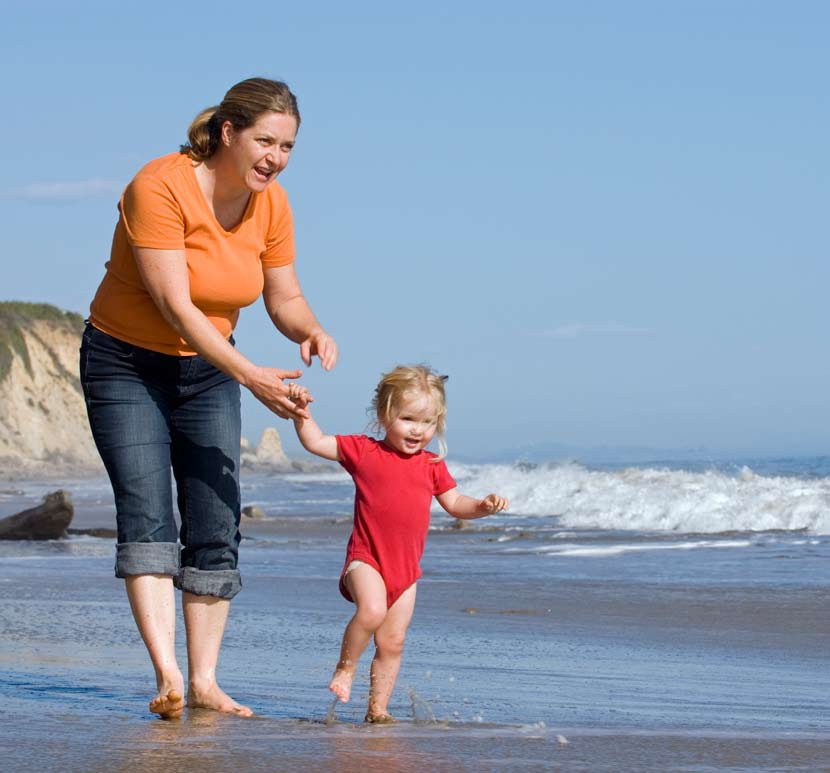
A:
(43, 422)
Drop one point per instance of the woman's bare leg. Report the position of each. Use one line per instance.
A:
(204, 620)
(369, 593)
(153, 602)
(389, 641)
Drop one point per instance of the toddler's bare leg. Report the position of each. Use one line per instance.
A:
(369, 593)
(389, 641)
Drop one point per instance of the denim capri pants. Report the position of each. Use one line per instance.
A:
(155, 417)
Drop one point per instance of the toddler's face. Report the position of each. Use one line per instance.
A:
(414, 425)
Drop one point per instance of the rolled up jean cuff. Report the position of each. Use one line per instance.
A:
(132, 558)
(222, 583)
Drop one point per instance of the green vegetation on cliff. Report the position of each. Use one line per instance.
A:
(17, 316)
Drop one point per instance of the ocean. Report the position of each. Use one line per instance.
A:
(654, 616)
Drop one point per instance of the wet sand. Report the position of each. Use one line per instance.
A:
(511, 664)
(204, 741)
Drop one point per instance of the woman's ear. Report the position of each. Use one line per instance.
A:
(227, 133)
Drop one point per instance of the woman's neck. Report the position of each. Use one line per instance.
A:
(227, 201)
(215, 183)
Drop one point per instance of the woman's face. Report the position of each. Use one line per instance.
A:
(260, 152)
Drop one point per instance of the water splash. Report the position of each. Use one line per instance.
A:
(331, 717)
(421, 709)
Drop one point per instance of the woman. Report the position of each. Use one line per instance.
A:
(201, 233)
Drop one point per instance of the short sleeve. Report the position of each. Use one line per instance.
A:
(279, 242)
(152, 216)
(441, 479)
(350, 449)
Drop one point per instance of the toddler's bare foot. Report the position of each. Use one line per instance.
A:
(169, 705)
(382, 718)
(212, 697)
(341, 684)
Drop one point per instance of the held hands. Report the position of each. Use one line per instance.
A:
(301, 397)
(492, 504)
(267, 386)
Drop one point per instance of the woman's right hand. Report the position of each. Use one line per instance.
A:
(267, 385)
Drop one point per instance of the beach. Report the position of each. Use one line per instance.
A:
(542, 640)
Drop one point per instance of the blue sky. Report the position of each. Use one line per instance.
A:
(606, 221)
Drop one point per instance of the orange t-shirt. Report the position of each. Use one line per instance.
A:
(164, 208)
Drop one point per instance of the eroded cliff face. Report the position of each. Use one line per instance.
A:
(43, 424)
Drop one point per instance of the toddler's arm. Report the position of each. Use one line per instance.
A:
(311, 436)
(461, 506)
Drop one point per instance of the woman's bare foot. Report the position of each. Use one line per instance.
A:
(381, 718)
(210, 696)
(341, 684)
(169, 705)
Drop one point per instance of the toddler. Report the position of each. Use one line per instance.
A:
(395, 480)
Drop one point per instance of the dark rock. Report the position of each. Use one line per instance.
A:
(253, 511)
(49, 520)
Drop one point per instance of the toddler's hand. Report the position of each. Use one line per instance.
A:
(299, 395)
(493, 503)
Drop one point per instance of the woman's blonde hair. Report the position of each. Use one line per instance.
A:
(242, 106)
(404, 382)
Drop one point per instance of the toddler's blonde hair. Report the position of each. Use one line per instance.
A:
(396, 386)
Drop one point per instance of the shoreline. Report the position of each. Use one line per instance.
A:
(15, 470)
(651, 660)
(219, 742)
(45, 471)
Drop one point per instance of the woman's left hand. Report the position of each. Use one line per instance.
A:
(322, 345)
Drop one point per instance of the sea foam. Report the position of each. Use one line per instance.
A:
(653, 499)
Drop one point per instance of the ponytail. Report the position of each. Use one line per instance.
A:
(203, 135)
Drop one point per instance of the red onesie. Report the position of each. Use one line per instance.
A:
(393, 494)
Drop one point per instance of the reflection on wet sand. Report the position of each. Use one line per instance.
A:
(373, 747)
(206, 740)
